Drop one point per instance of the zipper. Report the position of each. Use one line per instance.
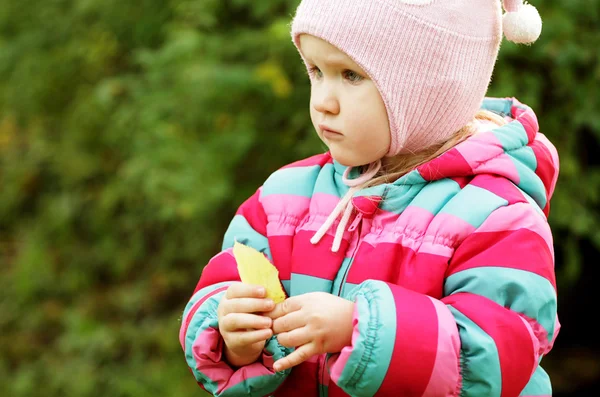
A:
(321, 380)
(357, 223)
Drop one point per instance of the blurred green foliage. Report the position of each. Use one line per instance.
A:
(131, 131)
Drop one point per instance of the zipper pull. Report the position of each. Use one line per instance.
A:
(355, 223)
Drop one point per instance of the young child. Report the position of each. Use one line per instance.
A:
(416, 252)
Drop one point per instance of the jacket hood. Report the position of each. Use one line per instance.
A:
(516, 151)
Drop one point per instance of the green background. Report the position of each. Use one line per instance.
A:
(130, 131)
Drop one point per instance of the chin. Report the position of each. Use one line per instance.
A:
(345, 160)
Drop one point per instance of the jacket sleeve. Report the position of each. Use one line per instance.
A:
(485, 337)
(199, 334)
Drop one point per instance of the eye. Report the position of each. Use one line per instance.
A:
(352, 76)
(314, 72)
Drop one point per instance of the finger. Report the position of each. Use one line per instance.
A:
(298, 356)
(241, 290)
(287, 306)
(240, 321)
(289, 322)
(248, 305)
(297, 337)
(246, 338)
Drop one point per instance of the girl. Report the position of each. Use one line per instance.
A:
(416, 252)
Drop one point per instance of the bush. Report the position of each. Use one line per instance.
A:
(131, 131)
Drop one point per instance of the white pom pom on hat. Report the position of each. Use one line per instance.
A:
(521, 23)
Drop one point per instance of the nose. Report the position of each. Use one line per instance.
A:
(325, 101)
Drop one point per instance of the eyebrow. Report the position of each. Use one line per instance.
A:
(336, 61)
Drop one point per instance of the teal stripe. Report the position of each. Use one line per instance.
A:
(520, 290)
(412, 178)
(526, 163)
(377, 190)
(348, 290)
(498, 105)
(479, 360)
(286, 286)
(200, 294)
(338, 279)
(205, 317)
(240, 230)
(298, 181)
(539, 384)
(435, 195)
(534, 205)
(369, 361)
(473, 205)
(512, 136)
(400, 197)
(302, 284)
(262, 385)
(329, 182)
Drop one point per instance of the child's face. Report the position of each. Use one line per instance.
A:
(344, 99)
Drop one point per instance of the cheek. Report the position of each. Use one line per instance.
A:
(370, 124)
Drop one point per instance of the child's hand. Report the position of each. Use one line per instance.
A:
(243, 331)
(314, 323)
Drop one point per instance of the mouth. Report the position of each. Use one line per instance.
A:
(329, 132)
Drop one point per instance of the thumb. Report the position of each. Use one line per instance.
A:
(287, 306)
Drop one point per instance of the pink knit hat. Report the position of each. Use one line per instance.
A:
(432, 60)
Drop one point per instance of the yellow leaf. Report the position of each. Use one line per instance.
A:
(255, 269)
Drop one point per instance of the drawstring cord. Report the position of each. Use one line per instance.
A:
(345, 206)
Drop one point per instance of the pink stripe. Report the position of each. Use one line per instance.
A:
(304, 254)
(277, 204)
(540, 334)
(337, 362)
(318, 159)
(556, 331)
(520, 249)
(515, 352)
(281, 251)
(450, 163)
(526, 117)
(480, 148)
(221, 268)
(208, 353)
(253, 212)
(188, 319)
(445, 377)
(519, 216)
(500, 186)
(554, 154)
(302, 381)
(449, 230)
(416, 217)
(502, 165)
(323, 204)
(429, 247)
(417, 271)
(281, 229)
(535, 341)
(416, 320)
(410, 240)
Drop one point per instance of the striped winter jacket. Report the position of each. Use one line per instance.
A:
(451, 269)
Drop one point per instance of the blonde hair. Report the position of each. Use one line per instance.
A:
(395, 167)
